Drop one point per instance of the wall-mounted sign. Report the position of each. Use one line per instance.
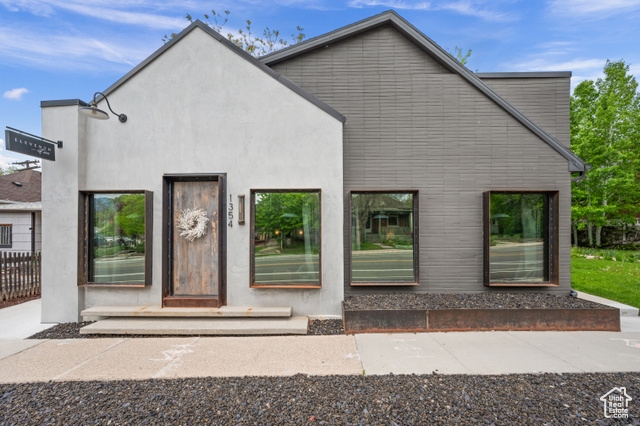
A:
(31, 145)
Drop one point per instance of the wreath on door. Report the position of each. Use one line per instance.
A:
(192, 223)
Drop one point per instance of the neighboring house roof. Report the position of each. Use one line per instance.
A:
(255, 62)
(21, 207)
(22, 186)
(576, 164)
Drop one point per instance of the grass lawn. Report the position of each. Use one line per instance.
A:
(619, 281)
(368, 246)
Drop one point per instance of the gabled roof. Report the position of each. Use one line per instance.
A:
(23, 186)
(199, 24)
(576, 164)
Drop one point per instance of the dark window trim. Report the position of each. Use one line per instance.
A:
(416, 240)
(252, 230)
(551, 229)
(84, 236)
(10, 244)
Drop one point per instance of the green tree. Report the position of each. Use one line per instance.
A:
(281, 214)
(460, 55)
(7, 171)
(269, 41)
(131, 214)
(605, 130)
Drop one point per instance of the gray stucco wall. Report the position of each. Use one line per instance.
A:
(544, 100)
(411, 124)
(197, 108)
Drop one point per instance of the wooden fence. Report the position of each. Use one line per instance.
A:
(19, 275)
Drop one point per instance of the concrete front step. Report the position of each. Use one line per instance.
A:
(195, 326)
(159, 311)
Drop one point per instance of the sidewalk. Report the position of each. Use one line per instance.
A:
(404, 353)
(21, 321)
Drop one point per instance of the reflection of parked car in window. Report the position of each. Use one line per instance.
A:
(100, 241)
(126, 241)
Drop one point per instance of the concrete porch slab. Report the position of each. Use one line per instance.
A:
(159, 311)
(198, 326)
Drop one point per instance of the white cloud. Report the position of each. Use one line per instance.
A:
(149, 20)
(464, 7)
(64, 51)
(4, 160)
(581, 69)
(130, 12)
(546, 65)
(35, 7)
(15, 94)
(557, 47)
(594, 8)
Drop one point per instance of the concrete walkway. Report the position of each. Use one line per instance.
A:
(21, 321)
(403, 353)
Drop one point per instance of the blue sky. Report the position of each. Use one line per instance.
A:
(67, 49)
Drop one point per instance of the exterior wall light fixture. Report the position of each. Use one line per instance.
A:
(92, 110)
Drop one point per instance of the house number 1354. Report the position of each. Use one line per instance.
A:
(230, 212)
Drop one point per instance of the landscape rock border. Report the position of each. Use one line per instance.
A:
(299, 399)
(71, 330)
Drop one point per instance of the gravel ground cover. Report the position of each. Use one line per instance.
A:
(489, 300)
(393, 400)
(71, 330)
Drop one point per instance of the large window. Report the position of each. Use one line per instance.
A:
(520, 238)
(117, 238)
(383, 238)
(285, 249)
(6, 238)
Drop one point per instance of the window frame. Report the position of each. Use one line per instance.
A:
(551, 230)
(252, 230)
(416, 240)
(10, 227)
(85, 235)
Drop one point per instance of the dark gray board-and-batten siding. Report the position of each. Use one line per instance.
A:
(412, 124)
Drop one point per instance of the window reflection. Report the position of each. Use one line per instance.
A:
(382, 237)
(117, 238)
(518, 242)
(287, 238)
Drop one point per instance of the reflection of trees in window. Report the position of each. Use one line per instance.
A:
(382, 238)
(120, 220)
(287, 224)
(515, 217)
(517, 237)
(378, 211)
(117, 238)
(288, 218)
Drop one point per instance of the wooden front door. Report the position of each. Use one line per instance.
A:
(195, 278)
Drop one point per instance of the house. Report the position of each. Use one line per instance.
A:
(20, 212)
(364, 160)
